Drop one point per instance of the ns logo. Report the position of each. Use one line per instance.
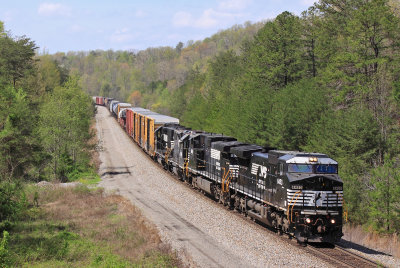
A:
(262, 171)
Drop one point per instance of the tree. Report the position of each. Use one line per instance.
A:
(384, 208)
(17, 144)
(16, 58)
(135, 98)
(294, 111)
(275, 56)
(49, 73)
(179, 47)
(310, 21)
(64, 128)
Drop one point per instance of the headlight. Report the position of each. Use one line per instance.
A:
(308, 220)
(333, 221)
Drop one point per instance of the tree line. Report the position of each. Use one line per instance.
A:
(44, 123)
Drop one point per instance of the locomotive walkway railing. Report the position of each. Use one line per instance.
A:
(290, 204)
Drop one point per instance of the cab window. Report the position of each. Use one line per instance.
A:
(300, 168)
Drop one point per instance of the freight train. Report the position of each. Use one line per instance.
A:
(294, 192)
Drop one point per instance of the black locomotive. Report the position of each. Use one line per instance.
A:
(295, 192)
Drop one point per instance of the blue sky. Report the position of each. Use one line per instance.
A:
(76, 25)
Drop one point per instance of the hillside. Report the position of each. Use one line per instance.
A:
(152, 72)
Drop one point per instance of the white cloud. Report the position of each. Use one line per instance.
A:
(234, 4)
(208, 19)
(182, 19)
(54, 9)
(121, 36)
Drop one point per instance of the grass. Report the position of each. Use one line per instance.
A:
(80, 227)
(89, 179)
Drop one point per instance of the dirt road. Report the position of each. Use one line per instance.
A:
(203, 233)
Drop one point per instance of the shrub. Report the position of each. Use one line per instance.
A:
(4, 256)
(12, 201)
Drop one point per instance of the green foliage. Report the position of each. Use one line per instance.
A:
(351, 137)
(276, 56)
(44, 130)
(64, 128)
(4, 254)
(346, 133)
(51, 74)
(12, 203)
(16, 58)
(1, 27)
(294, 110)
(50, 244)
(17, 146)
(384, 199)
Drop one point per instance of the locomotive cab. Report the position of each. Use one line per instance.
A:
(314, 197)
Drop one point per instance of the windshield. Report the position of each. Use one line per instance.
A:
(331, 169)
(300, 168)
(308, 168)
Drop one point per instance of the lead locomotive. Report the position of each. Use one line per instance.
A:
(295, 192)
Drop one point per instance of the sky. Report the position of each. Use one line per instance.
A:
(84, 25)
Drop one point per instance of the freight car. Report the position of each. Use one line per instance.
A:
(99, 100)
(297, 193)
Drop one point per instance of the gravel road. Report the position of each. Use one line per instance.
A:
(203, 233)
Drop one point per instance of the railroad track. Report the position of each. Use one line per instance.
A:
(341, 257)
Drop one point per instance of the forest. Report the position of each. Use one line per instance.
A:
(325, 81)
(45, 120)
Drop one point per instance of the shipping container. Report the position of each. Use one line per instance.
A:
(131, 119)
(151, 123)
(140, 126)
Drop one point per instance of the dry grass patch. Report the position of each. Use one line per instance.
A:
(389, 244)
(108, 220)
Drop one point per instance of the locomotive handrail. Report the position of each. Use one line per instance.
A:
(228, 180)
(169, 150)
(290, 203)
(186, 166)
(345, 212)
(223, 178)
